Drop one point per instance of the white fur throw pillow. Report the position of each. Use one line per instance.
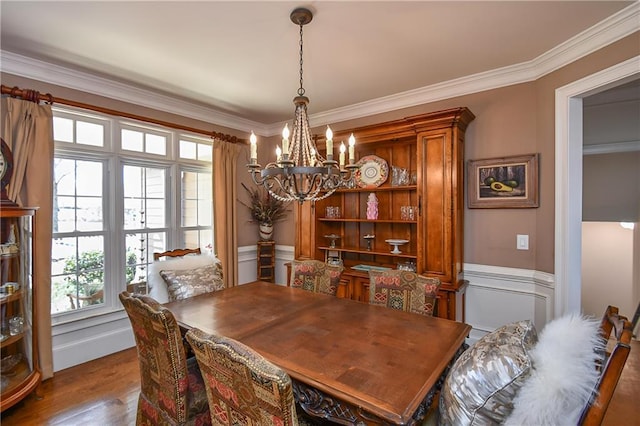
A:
(563, 375)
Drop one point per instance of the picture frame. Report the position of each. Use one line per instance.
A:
(503, 183)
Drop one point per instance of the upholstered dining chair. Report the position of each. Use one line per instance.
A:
(242, 386)
(171, 388)
(315, 276)
(618, 330)
(403, 290)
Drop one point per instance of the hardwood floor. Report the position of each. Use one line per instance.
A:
(105, 392)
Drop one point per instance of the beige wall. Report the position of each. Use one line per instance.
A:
(611, 187)
(512, 120)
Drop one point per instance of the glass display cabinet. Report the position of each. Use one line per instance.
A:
(19, 368)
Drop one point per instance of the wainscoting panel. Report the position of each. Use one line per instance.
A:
(247, 266)
(498, 295)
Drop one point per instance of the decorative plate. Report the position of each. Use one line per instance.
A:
(372, 171)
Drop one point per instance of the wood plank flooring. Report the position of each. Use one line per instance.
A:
(105, 392)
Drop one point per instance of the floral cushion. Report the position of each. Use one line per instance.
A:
(315, 276)
(483, 382)
(403, 290)
(186, 283)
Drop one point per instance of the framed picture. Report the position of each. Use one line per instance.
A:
(503, 183)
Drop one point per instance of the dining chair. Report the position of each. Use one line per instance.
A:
(172, 391)
(242, 386)
(404, 290)
(315, 276)
(619, 330)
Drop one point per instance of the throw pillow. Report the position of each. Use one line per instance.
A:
(155, 283)
(483, 382)
(564, 373)
(192, 282)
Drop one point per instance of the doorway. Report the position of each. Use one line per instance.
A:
(568, 178)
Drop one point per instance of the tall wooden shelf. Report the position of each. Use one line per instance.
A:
(266, 261)
(429, 146)
(18, 346)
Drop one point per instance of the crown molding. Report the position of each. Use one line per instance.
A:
(600, 35)
(35, 69)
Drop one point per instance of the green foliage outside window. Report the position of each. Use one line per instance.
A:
(86, 275)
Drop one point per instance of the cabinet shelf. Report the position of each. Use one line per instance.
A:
(358, 250)
(380, 189)
(11, 340)
(11, 297)
(400, 222)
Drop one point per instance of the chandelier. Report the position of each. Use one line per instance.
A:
(300, 173)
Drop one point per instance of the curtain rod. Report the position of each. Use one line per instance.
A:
(34, 96)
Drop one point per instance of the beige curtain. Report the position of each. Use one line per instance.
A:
(28, 130)
(225, 215)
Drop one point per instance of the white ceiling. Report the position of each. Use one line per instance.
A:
(241, 57)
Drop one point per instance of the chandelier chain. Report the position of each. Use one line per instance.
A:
(301, 89)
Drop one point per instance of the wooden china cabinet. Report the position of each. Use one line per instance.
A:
(20, 371)
(423, 206)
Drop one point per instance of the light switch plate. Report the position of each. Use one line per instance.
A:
(522, 242)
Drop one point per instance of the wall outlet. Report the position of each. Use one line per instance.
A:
(522, 242)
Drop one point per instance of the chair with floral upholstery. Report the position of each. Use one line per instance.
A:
(171, 388)
(243, 387)
(403, 290)
(315, 276)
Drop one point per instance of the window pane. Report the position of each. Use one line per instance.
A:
(189, 212)
(204, 213)
(143, 245)
(155, 183)
(64, 177)
(132, 181)
(205, 152)
(199, 238)
(131, 140)
(188, 150)
(89, 213)
(156, 144)
(133, 213)
(77, 270)
(89, 133)
(146, 197)
(64, 214)
(62, 129)
(155, 213)
(89, 178)
(71, 212)
(196, 199)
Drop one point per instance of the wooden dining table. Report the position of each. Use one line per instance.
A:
(350, 362)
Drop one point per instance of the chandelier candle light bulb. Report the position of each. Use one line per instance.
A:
(285, 139)
(342, 151)
(329, 136)
(278, 154)
(254, 147)
(352, 149)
